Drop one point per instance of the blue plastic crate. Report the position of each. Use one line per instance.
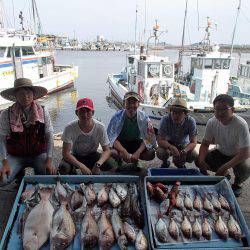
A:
(173, 171)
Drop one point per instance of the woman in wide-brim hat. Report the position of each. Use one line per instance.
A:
(26, 133)
(10, 94)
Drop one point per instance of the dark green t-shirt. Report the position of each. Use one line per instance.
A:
(130, 130)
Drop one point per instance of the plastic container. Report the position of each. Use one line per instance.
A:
(173, 171)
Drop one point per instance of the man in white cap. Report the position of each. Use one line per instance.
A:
(177, 135)
(26, 133)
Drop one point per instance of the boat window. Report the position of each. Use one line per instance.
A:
(15, 50)
(167, 70)
(27, 51)
(153, 70)
(208, 64)
(217, 63)
(199, 63)
(226, 64)
(46, 60)
(2, 51)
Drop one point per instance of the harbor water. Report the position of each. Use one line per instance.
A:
(94, 66)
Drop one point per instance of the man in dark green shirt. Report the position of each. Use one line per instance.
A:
(129, 145)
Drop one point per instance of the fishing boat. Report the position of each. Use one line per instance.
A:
(22, 54)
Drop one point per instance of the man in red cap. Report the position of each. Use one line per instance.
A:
(81, 139)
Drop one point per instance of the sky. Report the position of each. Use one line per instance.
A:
(115, 19)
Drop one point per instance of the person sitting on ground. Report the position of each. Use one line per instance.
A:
(177, 135)
(26, 133)
(131, 134)
(230, 134)
(81, 139)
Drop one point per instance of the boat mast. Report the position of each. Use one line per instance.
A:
(234, 30)
(136, 10)
(1, 14)
(145, 21)
(182, 41)
(36, 19)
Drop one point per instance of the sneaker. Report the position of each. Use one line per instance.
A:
(165, 164)
(237, 190)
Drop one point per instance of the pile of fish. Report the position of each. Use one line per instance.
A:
(189, 214)
(102, 214)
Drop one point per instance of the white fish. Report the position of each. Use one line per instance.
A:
(79, 213)
(129, 232)
(119, 231)
(141, 242)
(179, 202)
(196, 229)
(121, 190)
(221, 228)
(197, 203)
(161, 230)
(89, 230)
(113, 198)
(215, 202)
(102, 196)
(38, 225)
(63, 229)
(224, 203)
(188, 203)
(208, 206)
(186, 227)
(173, 229)
(206, 229)
(234, 228)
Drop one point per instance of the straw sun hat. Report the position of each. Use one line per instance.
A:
(10, 94)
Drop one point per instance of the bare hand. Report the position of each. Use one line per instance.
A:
(222, 171)
(135, 157)
(50, 168)
(126, 156)
(174, 151)
(85, 170)
(203, 166)
(96, 170)
(5, 170)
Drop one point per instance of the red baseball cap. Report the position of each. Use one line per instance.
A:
(85, 103)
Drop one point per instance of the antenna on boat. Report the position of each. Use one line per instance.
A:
(182, 41)
(234, 30)
(136, 10)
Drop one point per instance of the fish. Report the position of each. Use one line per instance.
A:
(76, 199)
(173, 229)
(68, 188)
(113, 198)
(179, 202)
(89, 193)
(234, 228)
(141, 242)
(150, 188)
(79, 213)
(89, 230)
(196, 229)
(197, 203)
(164, 206)
(175, 189)
(186, 227)
(38, 225)
(159, 195)
(102, 196)
(60, 192)
(221, 228)
(129, 232)
(63, 229)
(106, 233)
(206, 230)
(215, 202)
(125, 206)
(119, 231)
(208, 206)
(121, 190)
(224, 203)
(137, 212)
(187, 202)
(161, 230)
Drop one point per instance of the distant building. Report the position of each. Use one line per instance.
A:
(100, 38)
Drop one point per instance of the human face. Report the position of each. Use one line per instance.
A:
(25, 97)
(84, 114)
(223, 112)
(177, 115)
(131, 106)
